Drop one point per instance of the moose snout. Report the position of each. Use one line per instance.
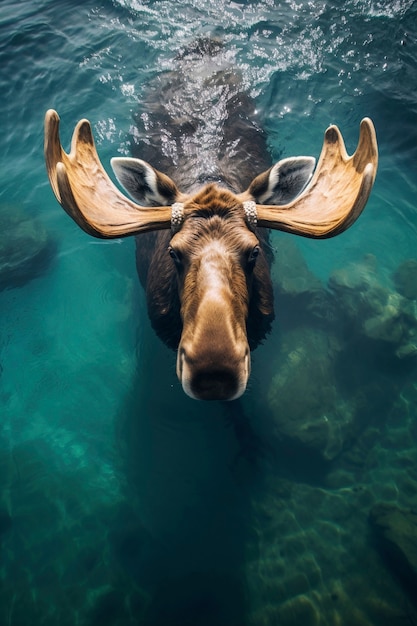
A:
(211, 376)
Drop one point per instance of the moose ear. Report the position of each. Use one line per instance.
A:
(283, 182)
(143, 182)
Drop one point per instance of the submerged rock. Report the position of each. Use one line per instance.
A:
(291, 275)
(358, 292)
(308, 406)
(298, 610)
(374, 310)
(295, 283)
(25, 247)
(405, 279)
(396, 533)
(326, 383)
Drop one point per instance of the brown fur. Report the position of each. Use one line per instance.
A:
(241, 153)
(213, 331)
(208, 283)
(159, 276)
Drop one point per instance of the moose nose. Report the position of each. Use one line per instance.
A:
(214, 385)
(212, 380)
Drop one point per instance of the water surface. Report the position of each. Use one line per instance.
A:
(122, 501)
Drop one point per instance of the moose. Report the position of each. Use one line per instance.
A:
(202, 242)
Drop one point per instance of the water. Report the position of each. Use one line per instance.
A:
(122, 501)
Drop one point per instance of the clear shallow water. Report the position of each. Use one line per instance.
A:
(123, 502)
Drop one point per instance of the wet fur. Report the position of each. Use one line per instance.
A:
(240, 154)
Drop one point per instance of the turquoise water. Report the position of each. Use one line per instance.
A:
(123, 502)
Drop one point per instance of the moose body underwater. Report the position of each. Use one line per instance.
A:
(202, 227)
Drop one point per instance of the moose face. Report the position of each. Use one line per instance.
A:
(216, 250)
(215, 259)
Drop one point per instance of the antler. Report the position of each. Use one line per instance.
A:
(87, 194)
(337, 193)
(330, 204)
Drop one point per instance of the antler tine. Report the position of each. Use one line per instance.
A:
(87, 194)
(337, 193)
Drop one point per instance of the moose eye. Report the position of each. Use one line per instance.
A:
(175, 256)
(253, 255)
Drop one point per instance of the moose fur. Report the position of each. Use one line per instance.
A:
(211, 140)
(202, 246)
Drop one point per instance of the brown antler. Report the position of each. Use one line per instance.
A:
(337, 193)
(87, 194)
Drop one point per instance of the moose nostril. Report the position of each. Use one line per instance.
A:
(215, 385)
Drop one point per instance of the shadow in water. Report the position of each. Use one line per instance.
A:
(182, 536)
